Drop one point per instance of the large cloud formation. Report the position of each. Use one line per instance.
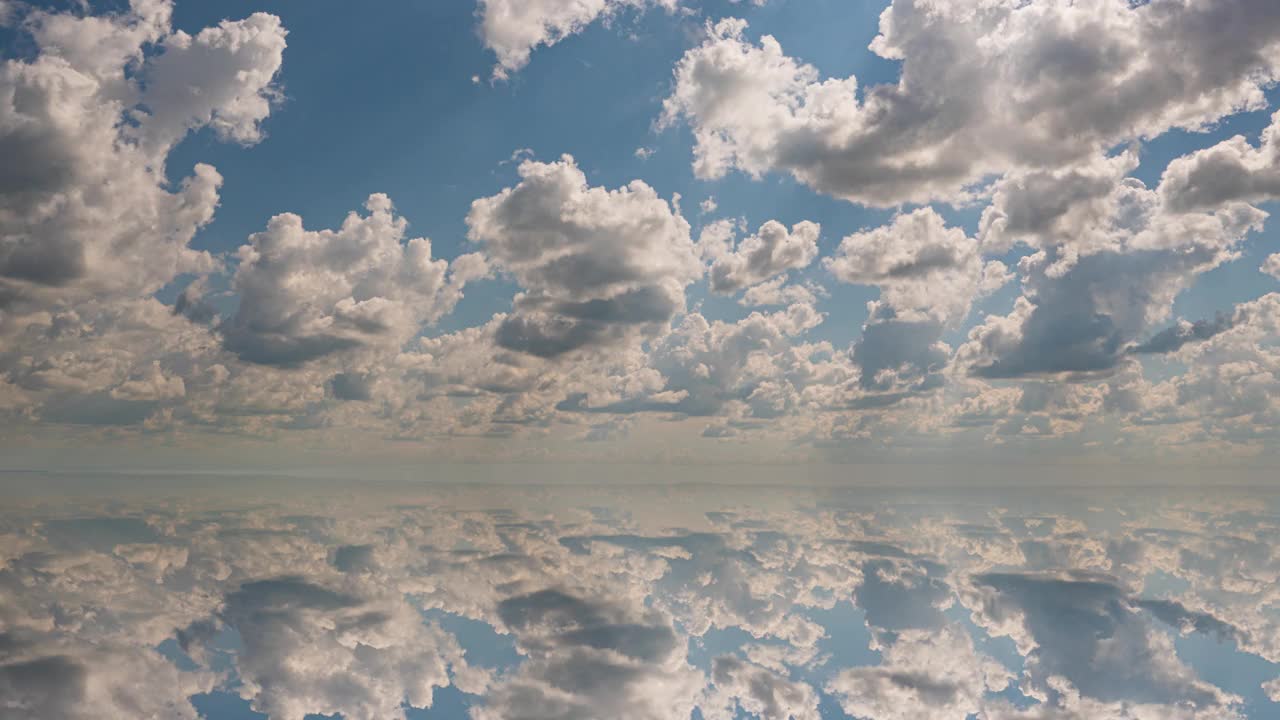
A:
(85, 126)
(597, 266)
(306, 294)
(1039, 312)
(984, 88)
(928, 275)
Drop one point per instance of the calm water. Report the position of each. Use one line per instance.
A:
(692, 602)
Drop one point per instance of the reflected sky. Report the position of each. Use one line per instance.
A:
(705, 602)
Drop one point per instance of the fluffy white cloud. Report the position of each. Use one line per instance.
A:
(1107, 652)
(758, 691)
(311, 649)
(1111, 259)
(1229, 390)
(590, 658)
(925, 270)
(924, 674)
(305, 293)
(1232, 170)
(512, 29)
(79, 683)
(771, 251)
(778, 292)
(598, 267)
(85, 209)
(1271, 266)
(928, 275)
(984, 88)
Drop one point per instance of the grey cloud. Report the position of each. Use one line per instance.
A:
(761, 692)
(1230, 171)
(772, 250)
(599, 268)
(590, 658)
(1070, 618)
(69, 134)
(307, 294)
(1085, 319)
(569, 326)
(1174, 337)
(354, 558)
(351, 386)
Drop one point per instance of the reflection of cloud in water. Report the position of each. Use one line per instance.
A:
(545, 603)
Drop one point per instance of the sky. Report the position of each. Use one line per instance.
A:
(278, 234)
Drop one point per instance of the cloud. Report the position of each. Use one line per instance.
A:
(1174, 337)
(597, 267)
(513, 29)
(1271, 265)
(1106, 652)
(589, 658)
(777, 292)
(1108, 267)
(705, 366)
(757, 691)
(87, 122)
(772, 250)
(79, 683)
(306, 294)
(1229, 387)
(1231, 171)
(924, 269)
(310, 649)
(928, 275)
(221, 78)
(591, 605)
(924, 674)
(983, 90)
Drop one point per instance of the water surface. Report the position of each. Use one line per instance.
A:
(714, 602)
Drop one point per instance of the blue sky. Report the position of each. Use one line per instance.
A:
(984, 344)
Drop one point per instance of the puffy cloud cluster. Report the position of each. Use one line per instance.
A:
(42, 681)
(85, 126)
(928, 275)
(1232, 170)
(1107, 652)
(589, 658)
(983, 89)
(1031, 113)
(924, 674)
(597, 267)
(311, 649)
(758, 691)
(772, 250)
(706, 367)
(305, 294)
(1110, 259)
